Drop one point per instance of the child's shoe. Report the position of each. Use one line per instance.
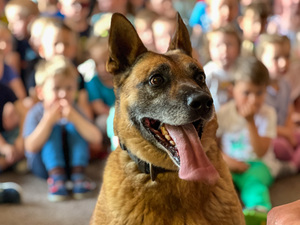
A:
(255, 216)
(10, 193)
(82, 186)
(57, 190)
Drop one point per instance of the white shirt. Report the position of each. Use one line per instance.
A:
(235, 138)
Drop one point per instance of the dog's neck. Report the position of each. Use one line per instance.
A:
(143, 166)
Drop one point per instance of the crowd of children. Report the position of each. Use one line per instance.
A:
(54, 85)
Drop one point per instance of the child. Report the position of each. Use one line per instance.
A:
(20, 14)
(274, 51)
(46, 123)
(11, 141)
(246, 128)
(100, 87)
(287, 21)
(76, 16)
(253, 23)
(8, 75)
(224, 48)
(163, 29)
(58, 39)
(143, 25)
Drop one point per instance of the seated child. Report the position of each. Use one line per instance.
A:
(246, 128)
(48, 121)
(274, 51)
(224, 48)
(253, 22)
(11, 141)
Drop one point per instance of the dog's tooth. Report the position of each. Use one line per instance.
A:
(164, 130)
(172, 143)
(168, 137)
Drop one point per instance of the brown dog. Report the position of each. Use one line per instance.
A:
(168, 169)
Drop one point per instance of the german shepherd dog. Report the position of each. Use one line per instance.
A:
(168, 168)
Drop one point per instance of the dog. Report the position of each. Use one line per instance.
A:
(168, 168)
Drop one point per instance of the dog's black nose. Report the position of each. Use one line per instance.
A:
(200, 101)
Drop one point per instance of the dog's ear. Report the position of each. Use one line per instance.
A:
(181, 38)
(124, 44)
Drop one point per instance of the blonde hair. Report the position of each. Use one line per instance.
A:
(29, 8)
(57, 66)
(266, 39)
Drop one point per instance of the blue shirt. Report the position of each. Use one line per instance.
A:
(98, 91)
(8, 75)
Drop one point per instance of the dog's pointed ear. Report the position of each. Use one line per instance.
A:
(181, 38)
(124, 44)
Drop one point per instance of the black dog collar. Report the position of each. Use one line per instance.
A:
(145, 167)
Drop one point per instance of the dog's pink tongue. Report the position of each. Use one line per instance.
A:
(194, 164)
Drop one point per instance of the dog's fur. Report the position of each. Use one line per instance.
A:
(170, 88)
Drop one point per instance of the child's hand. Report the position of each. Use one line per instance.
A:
(53, 113)
(67, 109)
(9, 152)
(238, 167)
(247, 111)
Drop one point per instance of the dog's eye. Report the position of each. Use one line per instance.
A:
(156, 80)
(200, 78)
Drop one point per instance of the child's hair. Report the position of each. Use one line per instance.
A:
(250, 69)
(57, 66)
(265, 39)
(41, 22)
(29, 8)
(145, 15)
(228, 29)
(97, 41)
(259, 9)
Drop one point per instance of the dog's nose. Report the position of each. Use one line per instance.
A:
(200, 101)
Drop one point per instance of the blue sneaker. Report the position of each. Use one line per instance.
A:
(10, 193)
(255, 216)
(82, 186)
(57, 190)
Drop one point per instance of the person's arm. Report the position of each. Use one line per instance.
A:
(18, 88)
(288, 129)
(35, 141)
(235, 165)
(288, 214)
(259, 144)
(99, 107)
(7, 150)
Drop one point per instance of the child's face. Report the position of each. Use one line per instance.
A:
(57, 88)
(145, 32)
(59, 42)
(162, 32)
(223, 12)
(100, 57)
(276, 58)
(224, 49)
(76, 10)
(246, 93)
(252, 25)
(17, 23)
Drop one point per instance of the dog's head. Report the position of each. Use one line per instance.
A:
(163, 106)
